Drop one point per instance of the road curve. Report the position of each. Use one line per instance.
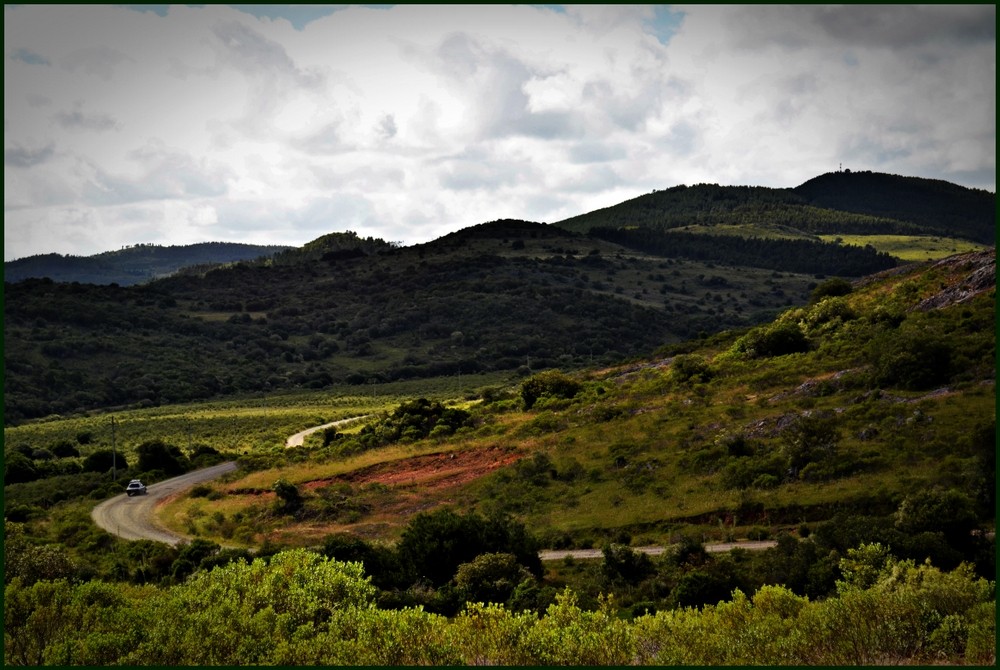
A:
(134, 518)
(299, 438)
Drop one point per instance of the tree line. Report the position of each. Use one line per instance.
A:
(790, 255)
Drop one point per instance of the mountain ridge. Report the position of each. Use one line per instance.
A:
(842, 202)
(501, 295)
(836, 202)
(134, 264)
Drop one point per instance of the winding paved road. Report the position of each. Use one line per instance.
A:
(133, 518)
(299, 438)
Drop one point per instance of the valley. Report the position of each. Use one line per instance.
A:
(664, 374)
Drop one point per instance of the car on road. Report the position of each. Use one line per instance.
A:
(135, 488)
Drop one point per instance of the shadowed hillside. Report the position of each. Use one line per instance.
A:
(132, 265)
(834, 203)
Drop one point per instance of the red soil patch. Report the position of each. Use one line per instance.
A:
(432, 472)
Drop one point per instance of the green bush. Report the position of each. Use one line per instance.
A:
(910, 360)
(104, 460)
(490, 578)
(18, 468)
(411, 421)
(289, 499)
(833, 287)
(158, 455)
(777, 339)
(434, 545)
(752, 471)
(623, 564)
(299, 608)
(691, 368)
(550, 383)
(829, 311)
(810, 439)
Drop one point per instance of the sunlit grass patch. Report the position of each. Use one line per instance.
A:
(909, 247)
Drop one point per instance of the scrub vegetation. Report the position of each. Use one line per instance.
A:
(853, 427)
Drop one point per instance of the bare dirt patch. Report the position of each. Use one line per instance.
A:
(431, 472)
(414, 485)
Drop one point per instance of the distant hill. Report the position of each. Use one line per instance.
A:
(498, 296)
(942, 208)
(502, 295)
(834, 203)
(132, 265)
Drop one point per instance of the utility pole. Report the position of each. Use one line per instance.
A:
(114, 453)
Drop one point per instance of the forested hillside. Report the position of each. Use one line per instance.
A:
(856, 203)
(134, 264)
(941, 207)
(857, 430)
(791, 255)
(504, 295)
(499, 296)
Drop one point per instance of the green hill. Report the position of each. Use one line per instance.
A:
(656, 385)
(856, 429)
(843, 406)
(940, 207)
(505, 295)
(841, 203)
(133, 265)
(711, 204)
(501, 296)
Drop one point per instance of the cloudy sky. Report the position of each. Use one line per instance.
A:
(278, 124)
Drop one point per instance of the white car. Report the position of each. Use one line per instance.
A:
(135, 488)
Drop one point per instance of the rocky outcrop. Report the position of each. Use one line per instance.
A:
(978, 272)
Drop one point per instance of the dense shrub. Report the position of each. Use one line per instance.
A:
(380, 562)
(158, 455)
(833, 287)
(762, 472)
(777, 339)
(289, 499)
(104, 460)
(550, 383)
(413, 420)
(299, 608)
(490, 578)
(433, 545)
(691, 368)
(623, 564)
(910, 360)
(18, 468)
(810, 440)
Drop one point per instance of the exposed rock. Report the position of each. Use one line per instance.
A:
(980, 270)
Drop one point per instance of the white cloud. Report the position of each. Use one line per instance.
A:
(278, 125)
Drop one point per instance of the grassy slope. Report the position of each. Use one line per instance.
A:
(249, 424)
(910, 248)
(639, 452)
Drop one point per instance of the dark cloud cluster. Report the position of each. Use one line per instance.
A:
(24, 157)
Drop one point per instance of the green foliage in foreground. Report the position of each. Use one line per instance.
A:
(298, 607)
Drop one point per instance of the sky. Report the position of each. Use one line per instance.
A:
(278, 124)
